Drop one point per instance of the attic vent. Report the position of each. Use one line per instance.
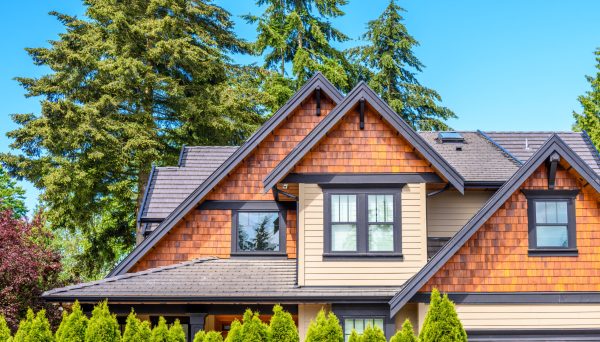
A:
(450, 137)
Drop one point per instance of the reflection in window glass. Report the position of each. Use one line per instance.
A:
(381, 223)
(343, 223)
(258, 231)
(552, 236)
(360, 324)
(343, 237)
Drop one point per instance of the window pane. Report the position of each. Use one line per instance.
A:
(360, 324)
(561, 212)
(343, 237)
(381, 208)
(348, 326)
(343, 208)
(378, 322)
(540, 212)
(381, 238)
(258, 231)
(552, 236)
(551, 212)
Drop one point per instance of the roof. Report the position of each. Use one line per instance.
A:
(207, 158)
(467, 157)
(553, 145)
(215, 280)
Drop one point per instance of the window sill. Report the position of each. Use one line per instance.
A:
(553, 252)
(363, 256)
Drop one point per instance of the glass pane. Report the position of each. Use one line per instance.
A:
(552, 236)
(348, 326)
(359, 325)
(335, 208)
(343, 237)
(561, 212)
(343, 208)
(551, 212)
(540, 212)
(258, 231)
(381, 238)
(381, 208)
(378, 322)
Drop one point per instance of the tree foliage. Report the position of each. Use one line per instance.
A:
(73, 326)
(389, 66)
(282, 327)
(589, 118)
(135, 330)
(354, 336)
(406, 334)
(300, 33)
(28, 267)
(160, 332)
(235, 333)
(253, 329)
(441, 322)
(176, 333)
(213, 336)
(5, 334)
(325, 328)
(102, 326)
(12, 196)
(373, 334)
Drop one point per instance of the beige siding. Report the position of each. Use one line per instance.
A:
(306, 313)
(449, 211)
(313, 271)
(541, 316)
(409, 311)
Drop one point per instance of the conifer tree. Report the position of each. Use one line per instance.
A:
(40, 329)
(176, 333)
(282, 327)
(407, 334)
(253, 329)
(589, 118)
(12, 196)
(300, 32)
(160, 333)
(441, 322)
(325, 328)
(24, 329)
(354, 337)
(73, 326)
(235, 333)
(5, 334)
(199, 337)
(213, 336)
(135, 330)
(102, 326)
(373, 334)
(389, 66)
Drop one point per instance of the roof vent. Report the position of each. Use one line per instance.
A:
(450, 137)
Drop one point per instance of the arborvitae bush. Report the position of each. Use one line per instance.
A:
(354, 337)
(136, 330)
(282, 327)
(253, 329)
(72, 327)
(176, 333)
(373, 334)
(4, 330)
(407, 334)
(199, 337)
(235, 333)
(326, 328)
(40, 329)
(102, 326)
(441, 322)
(160, 333)
(213, 336)
(24, 327)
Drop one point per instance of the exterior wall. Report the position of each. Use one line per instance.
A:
(306, 313)
(410, 311)
(377, 148)
(314, 271)
(449, 211)
(496, 258)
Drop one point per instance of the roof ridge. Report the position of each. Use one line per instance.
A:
(511, 156)
(545, 132)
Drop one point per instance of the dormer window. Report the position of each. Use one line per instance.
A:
(258, 232)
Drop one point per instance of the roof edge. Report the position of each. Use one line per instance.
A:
(145, 197)
(500, 147)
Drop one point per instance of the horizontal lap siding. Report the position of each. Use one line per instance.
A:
(448, 212)
(495, 259)
(316, 272)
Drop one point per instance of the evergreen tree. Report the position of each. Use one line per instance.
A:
(135, 330)
(213, 336)
(389, 66)
(263, 236)
(40, 329)
(127, 86)
(299, 31)
(160, 333)
(282, 327)
(4, 330)
(73, 326)
(407, 334)
(199, 337)
(22, 333)
(102, 326)
(12, 196)
(253, 329)
(354, 337)
(325, 328)
(235, 333)
(176, 333)
(589, 119)
(441, 322)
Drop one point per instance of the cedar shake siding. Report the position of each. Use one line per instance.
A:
(495, 258)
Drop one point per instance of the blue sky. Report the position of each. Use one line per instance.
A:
(500, 65)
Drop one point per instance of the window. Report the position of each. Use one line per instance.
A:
(360, 324)
(258, 232)
(551, 217)
(362, 222)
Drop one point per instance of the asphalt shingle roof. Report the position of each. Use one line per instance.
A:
(214, 279)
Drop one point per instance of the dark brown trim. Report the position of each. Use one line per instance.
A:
(515, 297)
(180, 155)
(553, 165)
(275, 299)
(484, 185)
(247, 205)
(362, 178)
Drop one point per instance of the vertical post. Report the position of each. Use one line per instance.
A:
(196, 323)
(362, 113)
(318, 95)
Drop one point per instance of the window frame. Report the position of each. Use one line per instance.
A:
(282, 233)
(568, 196)
(362, 223)
(362, 317)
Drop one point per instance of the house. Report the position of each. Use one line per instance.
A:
(336, 203)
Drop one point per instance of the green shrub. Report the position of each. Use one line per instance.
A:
(326, 328)
(160, 333)
(407, 334)
(176, 333)
(136, 330)
(213, 336)
(72, 327)
(24, 329)
(4, 330)
(235, 333)
(373, 334)
(40, 329)
(354, 337)
(253, 329)
(199, 337)
(282, 327)
(102, 326)
(441, 322)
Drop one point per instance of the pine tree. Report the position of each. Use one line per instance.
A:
(441, 322)
(354, 337)
(176, 333)
(389, 66)
(407, 334)
(325, 328)
(253, 329)
(300, 32)
(40, 329)
(12, 196)
(200, 335)
(128, 85)
(135, 330)
(282, 327)
(235, 333)
(373, 334)
(213, 336)
(73, 326)
(589, 119)
(102, 326)
(5, 335)
(160, 333)
(25, 325)
(263, 236)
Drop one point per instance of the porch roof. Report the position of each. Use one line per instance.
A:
(213, 280)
